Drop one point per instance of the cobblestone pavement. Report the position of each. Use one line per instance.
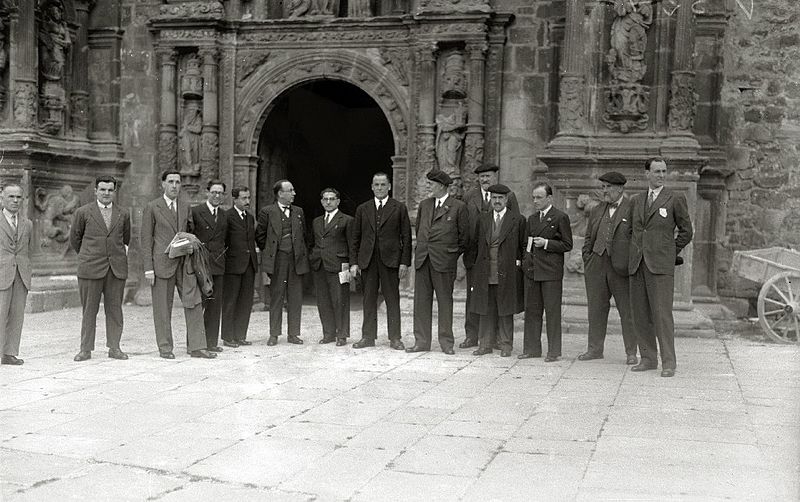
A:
(317, 422)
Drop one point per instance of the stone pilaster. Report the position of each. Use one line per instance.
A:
(79, 97)
(167, 127)
(25, 99)
(476, 127)
(426, 127)
(571, 80)
(682, 97)
(209, 152)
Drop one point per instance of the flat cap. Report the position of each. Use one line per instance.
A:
(614, 178)
(486, 168)
(440, 177)
(498, 188)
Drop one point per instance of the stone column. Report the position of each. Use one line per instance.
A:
(682, 99)
(25, 67)
(571, 78)
(473, 143)
(79, 97)
(209, 149)
(426, 126)
(167, 127)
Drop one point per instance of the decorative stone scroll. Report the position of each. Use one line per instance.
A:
(455, 5)
(192, 10)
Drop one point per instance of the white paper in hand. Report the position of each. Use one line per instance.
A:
(530, 244)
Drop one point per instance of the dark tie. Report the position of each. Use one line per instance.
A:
(327, 219)
(105, 211)
(14, 224)
(541, 216)
(498, 220)
(487, 197)
(651, 198)
(380, 211)
(215, 214)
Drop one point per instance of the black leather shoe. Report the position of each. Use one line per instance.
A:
(667, 373)
(525, 356)
(643, 366)
(467, 344)
(244, 342)
(341, 342)
(273, 340)
(505, 353)
(364, 342)
(295, 340)
(214, 349)
(417, 348)
(167, 355)
(449, 351)
(327, 339)
(481, 352)
(82, 356)
(230, 344)
(204, 354)
(397, 344)
(588, 356)
(630, 360)
(117, 354)
(551, 359)
(13, 360)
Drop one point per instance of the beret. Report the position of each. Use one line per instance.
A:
(440, 177)
(614, 178)
(486, 168)
(498, 188)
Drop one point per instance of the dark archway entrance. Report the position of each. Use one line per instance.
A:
(324, 133)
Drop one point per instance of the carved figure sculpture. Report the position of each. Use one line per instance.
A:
(358, 8)
(57, 219)
(629, 39)
(450, 131)
(298, 8)
(189, 139)
(453, 77)
(322, 8)
(3, 56)
(54, 41)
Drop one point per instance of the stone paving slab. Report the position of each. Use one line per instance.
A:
(319, 423)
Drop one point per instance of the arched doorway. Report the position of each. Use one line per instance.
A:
(324, 133)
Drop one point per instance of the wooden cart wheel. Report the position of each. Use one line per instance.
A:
(779, 307)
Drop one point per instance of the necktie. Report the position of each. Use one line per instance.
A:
(541, 215)
(487, 197)
(105, 211)
(651, 199)
(172, 207)
(380, 205)
(215, 214)
(14, 224)
(497, 220)
(327, 219)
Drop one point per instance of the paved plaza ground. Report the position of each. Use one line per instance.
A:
(317, 422)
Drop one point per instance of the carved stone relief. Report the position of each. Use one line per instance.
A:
(56, 208)
(682, 102)
(247, 63)
(570, 102)
(359, 8)
(193, 10)
(26, 104)
(398, 61)
(3, 57)
(54, 43)
(455, 5)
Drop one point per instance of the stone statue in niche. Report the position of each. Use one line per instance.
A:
(56, 220)
(450, 131)
(297, 8)
(54, 42)
(358, 8)
(3, 56)
(454, 85)
(189, 139)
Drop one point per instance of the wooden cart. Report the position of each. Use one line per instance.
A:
(778, 269)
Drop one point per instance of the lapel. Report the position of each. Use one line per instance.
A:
(662, 198)
(169, 215)
(388, 209)
(487, 221)
(334, 222)
(275, 218)
(7, 226)
(331, 225)
(98, 216)
(505, 226)
(542, 224)
(205, 213)
(617, 219)
(116, 215)
(372, 213)
(294, 215)
(445, 209)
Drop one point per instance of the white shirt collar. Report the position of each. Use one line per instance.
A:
(500, 213)
(241, 212)
(440, 200)
(380, 201)
(546, 210)
(331, 214)
(210, 207)
(656, 191)
(9, 216)
(483, 194)
(103, 206)
(284, 208)
(619, 201)
(170, 201)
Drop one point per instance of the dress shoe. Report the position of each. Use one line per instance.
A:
(82, 356)
(204, 354)
(551, 359)
(416, 348)
(397, 344)
(273, 340)
(588, 356)
(244, 342)
(214, 349)
(631, 360)
(230, 344)
(167, 355)
(643, 366)
(327, 339)
(449, 351)
(341, 342)
(117, 354)
(13, 360)
(525, 356)
(467, 344)
(364, 342)
(667, 373)
(505, 353)
(481, 352)
(294, 339)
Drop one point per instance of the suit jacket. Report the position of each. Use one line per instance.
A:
(475, 207)
(268, 237)
(662, 243)
(443, 236)
(212, 234)
(620, 234)
(15, 251)
(240, 239)
(510, 291)
(330, 247)
(159, 226)
(100, 248)
(542, 264)
(393, 235)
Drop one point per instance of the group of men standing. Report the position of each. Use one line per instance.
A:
(513, 265)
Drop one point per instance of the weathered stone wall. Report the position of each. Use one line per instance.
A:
(761, 99)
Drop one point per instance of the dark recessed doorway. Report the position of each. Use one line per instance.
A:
(326, 133)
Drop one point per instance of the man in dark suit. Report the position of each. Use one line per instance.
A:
(210, 225)
(442, 235)
(330, 256)
(381, 251)
(162, 219)
(241, 264)
(15, 271)
(549, 237)
(100, 234)
(605, 262)
(661, 229)
(281, 236)
(497, 292)
(478, 202)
